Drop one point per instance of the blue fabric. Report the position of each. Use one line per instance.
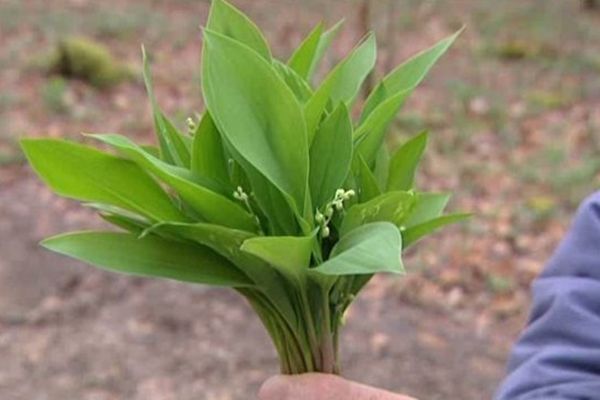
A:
(558, 355)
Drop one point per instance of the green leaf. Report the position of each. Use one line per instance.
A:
(289, 254)
(155, 151)
(407, 75)
(391, 207)
(223, 240)
(227, 20)
(272, 202)
(381, 169)
(368, 187)
(131, 225)
(427, 207)
(304, 57)
(330, 156)
(404, 162)
(83, 173)
(295, 82)
(150, 256)
(341, 85)
(208, 154)
(370, 134)
(227, 242)
(324, 44)
(348, 76)
(257, 113)
(120, 218)
(211, 206)
(368, 249)
(307, 56)
(173, 147)
(413, 234)
(315, 107)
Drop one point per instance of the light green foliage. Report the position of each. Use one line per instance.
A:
(354, 254)
(85, 59)
(149, 256)
(404, 162)
(275, 191)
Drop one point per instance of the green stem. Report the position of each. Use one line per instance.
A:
(328, 361)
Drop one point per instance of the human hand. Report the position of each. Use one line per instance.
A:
(321, 387)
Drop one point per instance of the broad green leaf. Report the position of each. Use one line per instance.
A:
(86, 174)
(307, 56)
(208, 154)
(330, 156)
(348, 76)
(368, 188)
(368, 249)
(407, 75)
(173, 146)
(427, 207)
(110, 209)
(370, 134)
(121, 218)
(281, 218)
(381, 169)
(391, 207)
(227, 242)
(223, 240)
(155, 151)
(324, 44)
(404, 163)
(211, 206)
(413, 234)
(272, 286)
(150, 256)
(257, 113)
(304, 57)
(289, 254)
(231, 22)
(295, 82)
(341, 85)
(315, 107)
(131, 225)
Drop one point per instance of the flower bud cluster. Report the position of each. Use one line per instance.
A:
(337, 204)
(191, 125)
(240, 195)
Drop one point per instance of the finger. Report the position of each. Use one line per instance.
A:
(305, 386)
(360, 391)
(321, 387)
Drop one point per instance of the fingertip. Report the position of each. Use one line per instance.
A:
(274, 388)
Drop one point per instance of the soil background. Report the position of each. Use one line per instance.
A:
(514, 115)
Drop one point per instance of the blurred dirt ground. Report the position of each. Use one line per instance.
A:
(515, 120)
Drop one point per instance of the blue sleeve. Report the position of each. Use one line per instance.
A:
(558, 355)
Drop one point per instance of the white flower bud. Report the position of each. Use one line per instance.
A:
(319, 217)
(338, 205)
(191, 125)
(329, 211)
(325, 232)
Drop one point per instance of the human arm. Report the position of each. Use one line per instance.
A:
(558, 354)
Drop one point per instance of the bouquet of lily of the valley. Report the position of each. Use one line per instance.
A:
(275, 190)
